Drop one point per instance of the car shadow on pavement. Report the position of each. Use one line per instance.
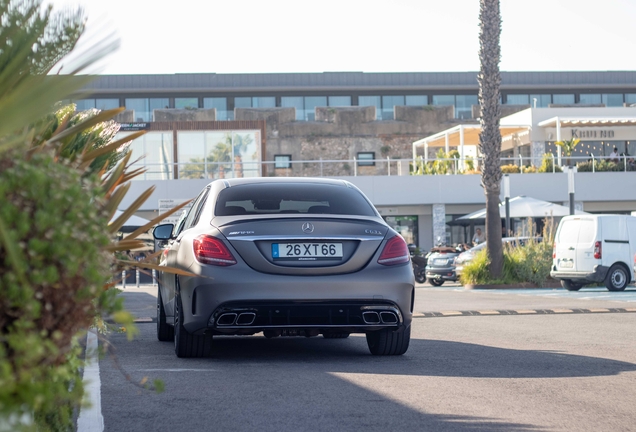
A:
(254, 383)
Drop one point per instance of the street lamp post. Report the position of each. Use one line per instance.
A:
(506, 185)
(571, 189)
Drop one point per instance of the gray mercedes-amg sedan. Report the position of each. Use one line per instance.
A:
(286, 257)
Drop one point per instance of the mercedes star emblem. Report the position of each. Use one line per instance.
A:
(308, 227)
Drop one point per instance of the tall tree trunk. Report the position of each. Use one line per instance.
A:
(490, 137)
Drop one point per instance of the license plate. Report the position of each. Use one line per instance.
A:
(306, 251)
(440, 261)
(566, 264)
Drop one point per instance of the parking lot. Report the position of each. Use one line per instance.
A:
(558, 371)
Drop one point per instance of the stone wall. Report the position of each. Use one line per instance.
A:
(341, 133)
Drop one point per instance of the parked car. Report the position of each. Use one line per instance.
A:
(439, 266)
(467, 256)
(286, 257)
(594, 249)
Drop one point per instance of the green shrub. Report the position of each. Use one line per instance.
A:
(546, 164)
(532, 262)
(51, 280)
(600, 166)
(529, 169)
(510, 169)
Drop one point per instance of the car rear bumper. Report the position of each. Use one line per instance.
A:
(597, 275)
(298, 302)
(446, 273)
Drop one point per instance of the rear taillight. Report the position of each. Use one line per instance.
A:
(395, 252)
(598, 250)
(553, 250)
(210, 250)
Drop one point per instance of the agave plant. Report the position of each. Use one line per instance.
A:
(62, 177)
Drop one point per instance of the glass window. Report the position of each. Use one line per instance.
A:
(144, 108)
(416, 100)
(339, 101)
(183, 103)
(587, 98)
(274, 198)
(444, 100)
(613, 100)
(191, 154)
(311, 102)
(375, 101)
(106, 104)
(542, 100)
(84, 104)
(264, 102)
(563, 99)
(464, 106)
(517, 99)
(157, 104)
(242, 102)
(282, 161)
(294, 102)
(630, 98)
(220, 103)
(406, 226)
(388, 102)
(366, 158)
(154, 152)
(139, 107)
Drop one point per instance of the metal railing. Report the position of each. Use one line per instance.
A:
(378, 167)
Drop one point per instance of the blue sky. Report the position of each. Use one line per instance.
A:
(256, 36)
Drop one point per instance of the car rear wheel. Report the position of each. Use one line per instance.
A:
(335, 335)
(617, 278)
(571, 286)
(436, 282)
(165, 332)
(186, 344)
(389, 342)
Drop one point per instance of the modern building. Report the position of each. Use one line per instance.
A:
(363, 126)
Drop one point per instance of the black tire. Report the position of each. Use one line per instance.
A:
(420, 277)
(389, 342)
(436, 282)
(617, 278)
(187, 345)
(571, 286)
(335, 335)
(165, 332)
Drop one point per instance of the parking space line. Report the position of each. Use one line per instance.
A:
(520, 312)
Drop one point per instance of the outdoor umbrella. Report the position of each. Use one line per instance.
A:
(521, 207)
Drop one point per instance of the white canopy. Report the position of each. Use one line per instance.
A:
(520, 207)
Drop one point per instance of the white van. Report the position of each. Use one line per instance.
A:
(595, 249)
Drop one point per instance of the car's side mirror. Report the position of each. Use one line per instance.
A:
(163, 232)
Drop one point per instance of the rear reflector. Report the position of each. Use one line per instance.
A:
(210, 250)
(395, 252)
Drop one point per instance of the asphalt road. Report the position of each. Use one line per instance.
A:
(491, 371)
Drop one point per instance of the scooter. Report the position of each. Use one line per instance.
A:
(418, 260)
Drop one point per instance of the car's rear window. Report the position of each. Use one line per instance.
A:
(292, 198)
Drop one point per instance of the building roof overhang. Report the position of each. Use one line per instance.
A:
(588, 122)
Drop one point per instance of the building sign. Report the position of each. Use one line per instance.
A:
(168, 204)
(593, 133)
(124, 127)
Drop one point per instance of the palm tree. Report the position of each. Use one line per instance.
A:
(567, 146)
(490, 137)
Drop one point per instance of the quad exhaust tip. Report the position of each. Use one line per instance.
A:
(385, 317)
(226, 319)
(246, 318)
(232, 318)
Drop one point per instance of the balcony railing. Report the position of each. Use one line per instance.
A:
(380, 167)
